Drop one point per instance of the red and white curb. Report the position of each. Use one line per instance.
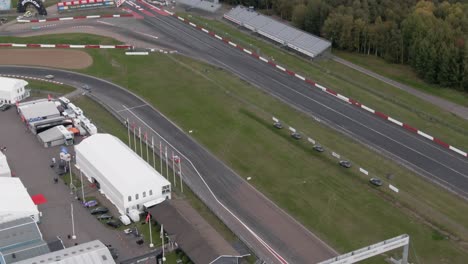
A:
(79, 2)
(64, 46)
(72, 18)
(324, 89)
(31, 78)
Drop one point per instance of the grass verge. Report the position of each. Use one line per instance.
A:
(403, 74)
(370, 91)
(337, 204)
(46, 87)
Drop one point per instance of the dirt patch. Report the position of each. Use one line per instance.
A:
(67, 59)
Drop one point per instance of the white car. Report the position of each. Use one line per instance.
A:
(49, 76)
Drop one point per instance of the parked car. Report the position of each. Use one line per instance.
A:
(345, 163)
(5, 107)
(296, 135)
(50, 76)
(114, 223)
(99, 210)
(376, 181)
(90, 203)
(278, 125)
(319, 148)
(104, 217)
(86, 87)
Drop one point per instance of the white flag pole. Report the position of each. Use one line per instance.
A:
(141, 146)
(128, 132)
(160, 158)
(146, 141)
(151, 236)
(167, 164)
(162, 240)
(180, 174)
(152, 147)
(173, 169)
(134, 137)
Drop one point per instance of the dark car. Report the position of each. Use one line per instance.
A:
(104, 217)
(345, 163)
(114, 223)
(375, 181)
(278, 125)
(319, 148)
(296, 135)
(114, 252)
(99, 210)
(5, 107)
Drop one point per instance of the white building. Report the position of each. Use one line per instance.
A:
(4, 168)
(12, 90)
(127, 180)
(15, 202)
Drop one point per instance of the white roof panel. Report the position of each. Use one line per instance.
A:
(127, 171)
(9, 84)
(14, 199)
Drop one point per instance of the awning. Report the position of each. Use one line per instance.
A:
(39, 199)
(153, 202)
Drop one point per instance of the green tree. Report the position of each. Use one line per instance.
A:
(298, 16)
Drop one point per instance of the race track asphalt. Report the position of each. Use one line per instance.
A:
(425, 157)
(265, 228)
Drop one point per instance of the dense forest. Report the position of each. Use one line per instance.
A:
(431, 36)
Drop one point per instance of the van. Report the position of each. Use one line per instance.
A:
(125, 220)
(134, 215)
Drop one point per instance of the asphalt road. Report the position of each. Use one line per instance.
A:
(428, 159)
(263, 226)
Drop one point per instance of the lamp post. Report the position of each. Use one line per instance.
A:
(73, 222)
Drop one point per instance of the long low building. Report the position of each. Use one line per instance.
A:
(127, 180)
(282, 33)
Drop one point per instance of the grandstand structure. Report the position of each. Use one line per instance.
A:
(293, 38)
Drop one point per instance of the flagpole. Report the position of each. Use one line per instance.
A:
(167, 165)
(141, 146)
(146, 141)
(173, 169)
(134, 137)
(162, 239)
(180, 174)
(160, 158)
(151, 236)
(152, 147)
(128, 131)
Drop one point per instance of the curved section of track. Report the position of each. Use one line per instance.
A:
(269, 231)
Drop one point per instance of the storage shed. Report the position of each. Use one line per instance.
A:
(122, 176)
(56, 136)
(15, 201)
(12, 90)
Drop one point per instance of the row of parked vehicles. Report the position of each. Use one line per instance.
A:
(102, 213)
(317, 147)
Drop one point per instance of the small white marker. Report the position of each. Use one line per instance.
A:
(249, 178)
(190, 131)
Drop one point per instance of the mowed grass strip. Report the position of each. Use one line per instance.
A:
(42, 86)
(351, 83)
(71, 38)
(231, 118)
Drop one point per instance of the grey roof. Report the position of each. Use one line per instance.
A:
(201, 4)
(195, 245)
(21, 239)
(292, 37)
(39, 109)
(93, 252)
(51, 134)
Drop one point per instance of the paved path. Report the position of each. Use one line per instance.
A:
(457, 109)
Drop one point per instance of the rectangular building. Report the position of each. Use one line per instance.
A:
(12, 90)
(122, 176)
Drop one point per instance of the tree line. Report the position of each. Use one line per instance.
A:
(430, 36)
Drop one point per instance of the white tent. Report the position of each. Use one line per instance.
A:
(125, 178)
(15, 202)
(4, 168)
(12, 90)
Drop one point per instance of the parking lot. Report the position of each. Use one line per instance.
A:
(30, 162)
